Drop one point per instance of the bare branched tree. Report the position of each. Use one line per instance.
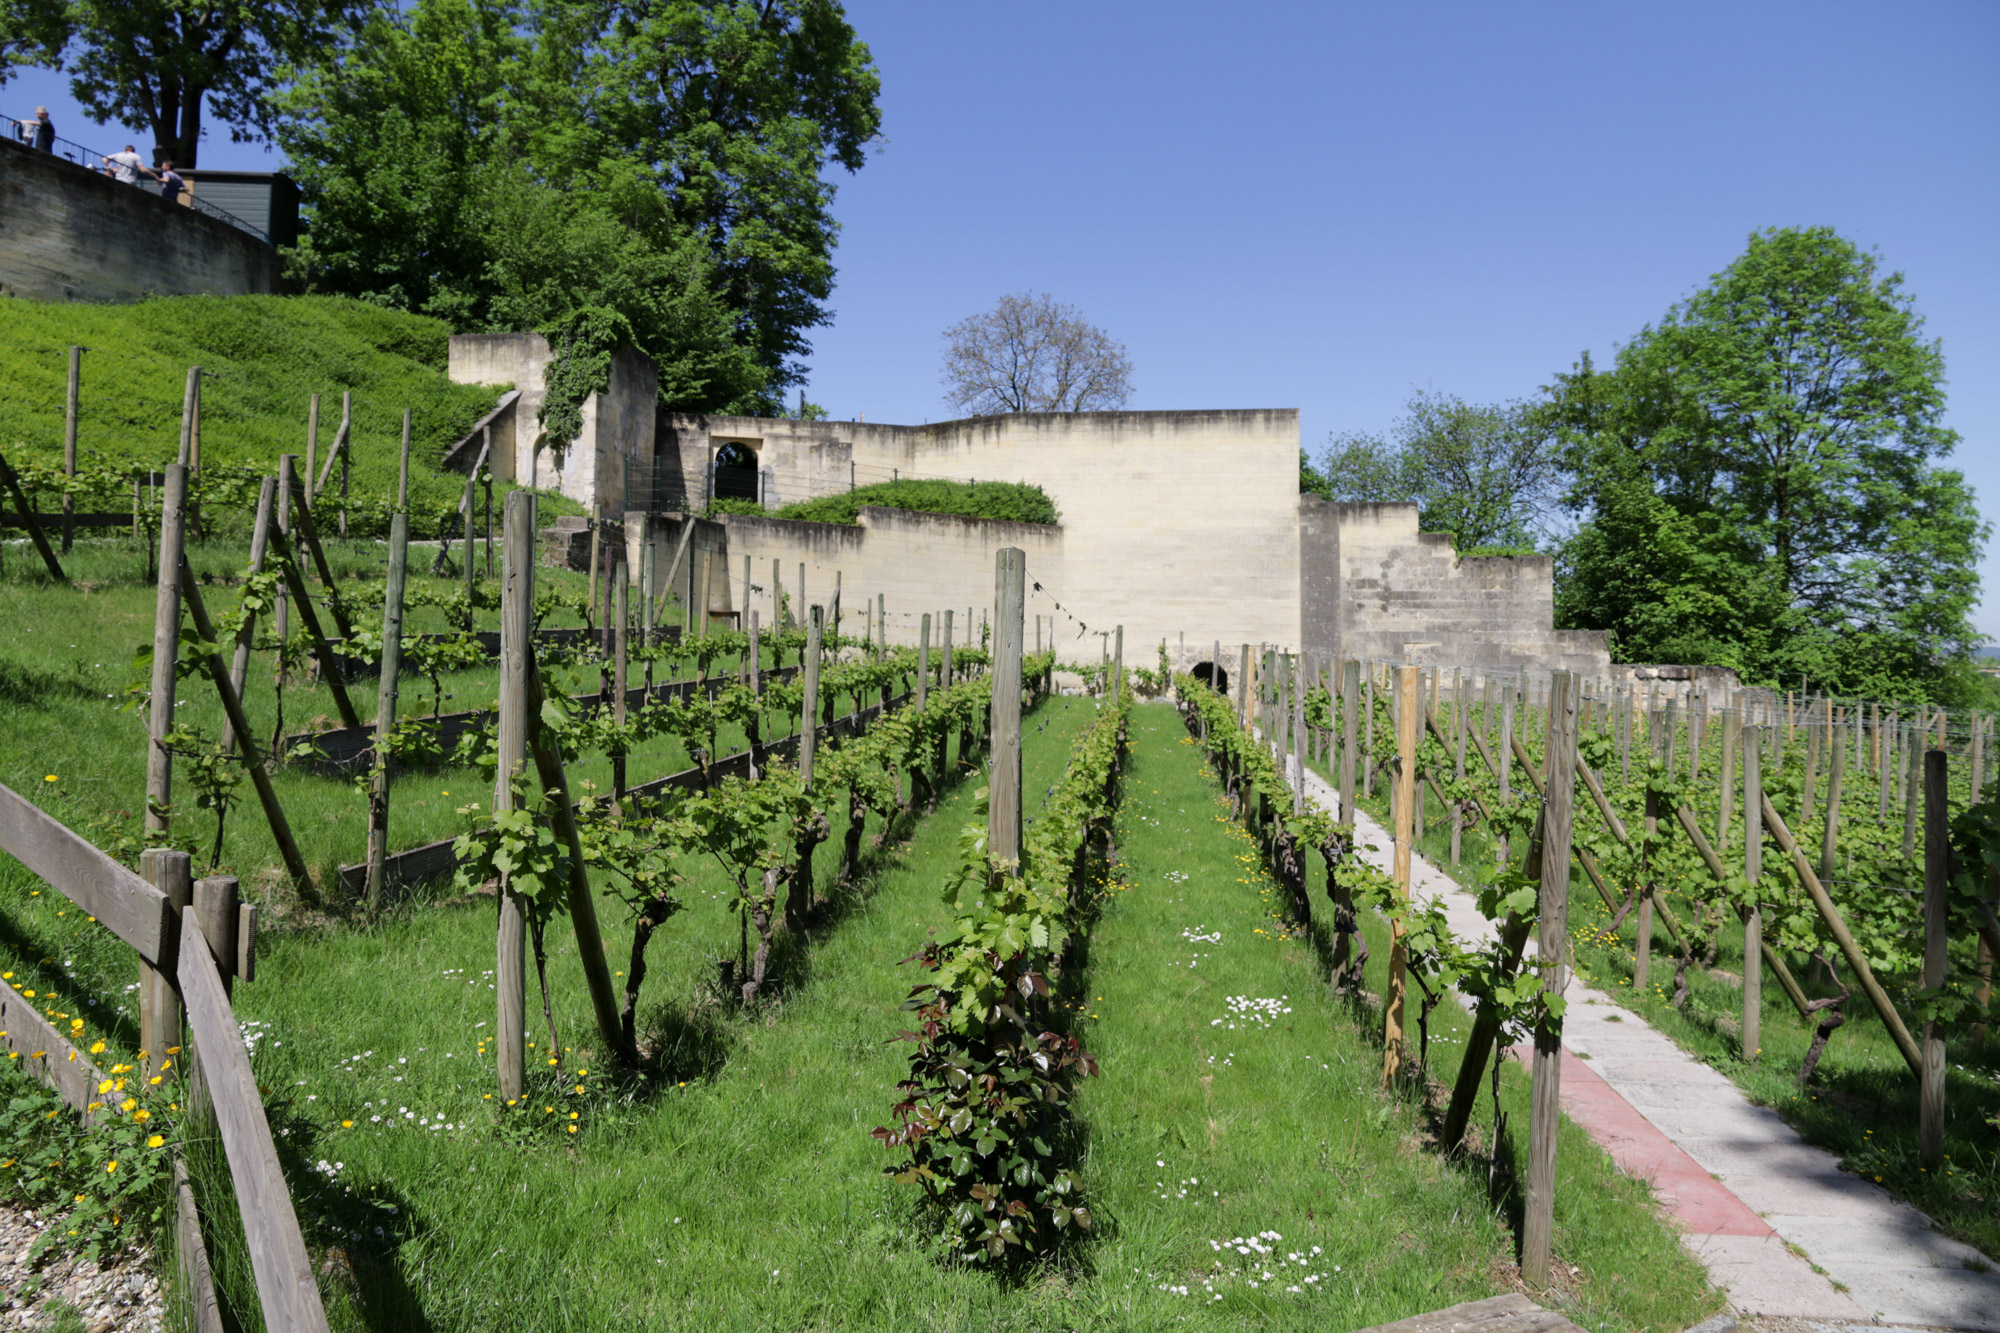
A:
(1033, 354)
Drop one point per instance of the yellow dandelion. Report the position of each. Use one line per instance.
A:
(156, 1140)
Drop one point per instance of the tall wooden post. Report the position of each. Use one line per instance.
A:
(809, 705)
(1753, 914)
(517, 623)
(403, 467)
(166, 647)
(246, 634)
(1835, 779)
(346, 446)
(188, 409)
(469, 508)
(622, 583)
(312, 452)
(385, 707)
(1732, 735)
(944, 672)
(1117, 662)
(1552, 945)
(1350, 748)
(1243, 689)
(159, 992)
(1406, 805)
(923, 661)
(1937, 893)
(1913, 781)
(69, 445)
(1003, 807)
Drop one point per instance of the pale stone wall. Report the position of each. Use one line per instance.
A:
(1380, 590)
(73, 235)
(1172, 521)
(914, 562)
(610, 462)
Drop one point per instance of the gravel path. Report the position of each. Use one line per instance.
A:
(68, 1291)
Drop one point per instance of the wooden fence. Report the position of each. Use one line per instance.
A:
(192, 940)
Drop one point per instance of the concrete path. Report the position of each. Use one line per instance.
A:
(1751, 1195)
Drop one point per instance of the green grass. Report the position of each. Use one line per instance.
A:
(1013, 501)
(1282, 1123)
(263, 357)
(1863, 1102)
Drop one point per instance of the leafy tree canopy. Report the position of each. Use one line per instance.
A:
(1759, 482)
(167, 63)
(563, 166)
(1486, 474)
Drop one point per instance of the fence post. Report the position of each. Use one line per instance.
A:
(1117, 661)
(385, 706)
(1753, 914)
(159, 994)
(403, 467)
(166, 648)
(1552, 944)
(944, 676)
(69, 444)
(188, 399)
(517, 622)
(469, 509)
(1912, 781)
(1937, 892)
(1243, 690)
(1829, 847)
(1003, 817)
(345, 443)
(1405, 802)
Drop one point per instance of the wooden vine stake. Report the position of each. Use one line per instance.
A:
(385, 706)
(1003, 807)
(1552, 945)
(1405, 803)
(246, 634)
(1753, 915)
(166, 648)
(1937, 894)
(517, 623)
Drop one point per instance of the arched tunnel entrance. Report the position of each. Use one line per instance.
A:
(736, 473)
(1216, 678)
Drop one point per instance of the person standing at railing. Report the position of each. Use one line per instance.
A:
(42, 132)
(128, 166)
(171, 183)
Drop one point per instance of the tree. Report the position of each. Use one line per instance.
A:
(1486, 474)
(1033, 354)
(165, 63)
(1786, 423)
(509, 166)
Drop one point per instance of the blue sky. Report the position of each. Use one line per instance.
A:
(1330, 207)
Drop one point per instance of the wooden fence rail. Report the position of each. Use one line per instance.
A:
(172, 940)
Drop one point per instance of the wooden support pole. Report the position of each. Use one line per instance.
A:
(189, 397)
(618, 679)
(1829, 846)
(1732, 732)
(253, 761)
(166, 649)
(1117, 663)
(1857, 961)
(923, 660)
(309, 532)
(1913, 781)
(246, 633)
(329, 665)
(32, 523)
(1552, 945)
(944, 671)
(467, 509)
(517, 656)
(170, 872)
(1752, 1037)
(809, 705)
(385, 706)
(1405, 803)
(1243, 691)
(596, 550)
(70, 402)
(1003, 807)
(582, 907)
(1937, 924)
(403, 467)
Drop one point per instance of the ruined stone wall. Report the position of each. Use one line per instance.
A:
(1376, 588)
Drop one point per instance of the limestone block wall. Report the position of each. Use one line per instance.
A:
(915, 562)
(1173, 522)
(1375, 587)
(610, 462)
(71, 234)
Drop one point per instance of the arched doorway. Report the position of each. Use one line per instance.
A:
(1216, 678)
(736, 473)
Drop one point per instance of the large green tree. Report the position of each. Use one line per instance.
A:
(1485, 473)
(652, 170)
(167, 64)
(1759, 480)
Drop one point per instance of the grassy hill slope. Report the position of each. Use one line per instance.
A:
(262, 358)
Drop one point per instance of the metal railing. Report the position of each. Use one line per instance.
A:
(23, 131)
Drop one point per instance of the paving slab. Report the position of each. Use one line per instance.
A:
(1750, 1194)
